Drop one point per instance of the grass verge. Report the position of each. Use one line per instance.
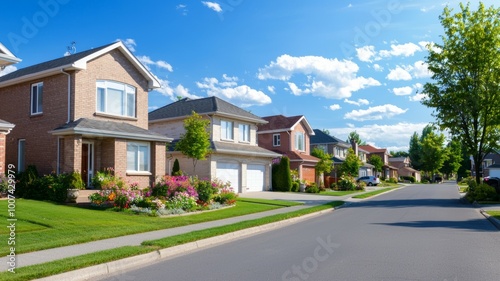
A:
(373, 193)
(495, 214)
(73, 263)
(339, 193)
(45, 225)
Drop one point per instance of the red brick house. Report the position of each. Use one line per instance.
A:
(6, 59)
(84, 112)
(290, 136)
(388, 171)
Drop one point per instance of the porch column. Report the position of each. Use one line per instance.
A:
(72, 154)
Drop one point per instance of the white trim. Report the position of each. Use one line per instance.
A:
(139, 144)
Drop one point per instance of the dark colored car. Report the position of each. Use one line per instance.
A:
(493, 181)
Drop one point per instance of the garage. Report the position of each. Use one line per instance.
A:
(309, 174)
(227, 171)
(255, 177)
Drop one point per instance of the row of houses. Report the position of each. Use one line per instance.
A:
(89, 111)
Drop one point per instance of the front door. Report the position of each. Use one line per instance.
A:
(87, 162)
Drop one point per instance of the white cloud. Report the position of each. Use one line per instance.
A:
(229, 90)
(366, 53)
(398, 74)
(418, 97)
(329, 78)
(174, 92)
(406, 50)
(420, 69)
(395, 137)
(403, 91)
(427, 9)
(148, 62)
(129, 43)
(271, 89)
(375, 113)
(358, 103)
(213, 6)
(377, 67)
(334, 107)
(183, 9)
(7, 70)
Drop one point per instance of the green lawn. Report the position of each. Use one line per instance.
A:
(44, 225)
(373, 193)
(495, 214)
(339, 193)
(68, 264)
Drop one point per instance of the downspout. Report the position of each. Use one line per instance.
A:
(69, 95)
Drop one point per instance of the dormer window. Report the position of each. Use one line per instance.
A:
(116, 98)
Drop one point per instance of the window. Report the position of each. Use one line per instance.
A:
(138, 157)
(322, 147)
(299, 141)
(226, 130)
(37, 98)
(21, 155)
(115, 98)
(276, 140)
(244, 132)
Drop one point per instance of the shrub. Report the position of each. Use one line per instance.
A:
(176, 169)
(206, 190)
(334, 186)
(182, 200)
(107, 179)
(312, 188)
(26, 188)
(75, 181)
(361, 185)
(169, 186)
(295, 186)
(282, 178)
(346, 183)
(392, 180)
(226, 197)
(409, 178)
(482, 192)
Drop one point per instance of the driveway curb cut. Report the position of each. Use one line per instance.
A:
(492, 219)
(129, 263)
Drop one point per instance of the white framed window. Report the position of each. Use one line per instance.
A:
(226, 130)
(116, 98)
(276, 140)
(37, 98)
(244, 131)
(138, 156)
(299, 141)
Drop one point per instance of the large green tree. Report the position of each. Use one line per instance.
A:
(454, 159)
(465, 91)
(195, 142)
(415, 152)
(325, 163)
(377, 162)
(355, 136)
(433, 153)
(351, 164)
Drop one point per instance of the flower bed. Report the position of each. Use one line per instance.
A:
(169, 195)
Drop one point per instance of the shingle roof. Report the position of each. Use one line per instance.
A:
(50, 64)
(278, 122)
(209, 105)
(320, 137)
(235, 148)
(301, 157)
(373, 149)
(102, 128)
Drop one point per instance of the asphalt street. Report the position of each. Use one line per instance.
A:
(421, 232)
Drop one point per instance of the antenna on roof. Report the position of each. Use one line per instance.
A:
(71, 49)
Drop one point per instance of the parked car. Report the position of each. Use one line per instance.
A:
(493, 181)
(369, 180)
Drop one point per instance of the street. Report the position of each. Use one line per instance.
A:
(421, 232)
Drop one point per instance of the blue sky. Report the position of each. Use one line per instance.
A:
(346, 65)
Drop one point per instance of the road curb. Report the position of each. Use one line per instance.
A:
(492, 219)
(129, 263)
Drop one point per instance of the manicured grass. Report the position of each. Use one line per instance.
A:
(373, 193)
(339, 193)
(68, 264)
(495, 214)
(463, 189)
(44, 225)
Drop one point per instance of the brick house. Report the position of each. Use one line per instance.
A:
(404, 167)
(388, 171)
(338, 149)
(6, 59)
(290, 136)
(84, 112)
(235, 155)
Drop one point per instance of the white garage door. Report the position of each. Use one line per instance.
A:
(229, 172)
(255, 177)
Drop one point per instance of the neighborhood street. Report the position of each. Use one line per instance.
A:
(421, 232)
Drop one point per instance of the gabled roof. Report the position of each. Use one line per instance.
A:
(112, 129)
(398, 159)
(302, 157)
(280, 123)
(76, 61)
(6, 57)
(320, 137)
(204, 106)
(372, 149)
